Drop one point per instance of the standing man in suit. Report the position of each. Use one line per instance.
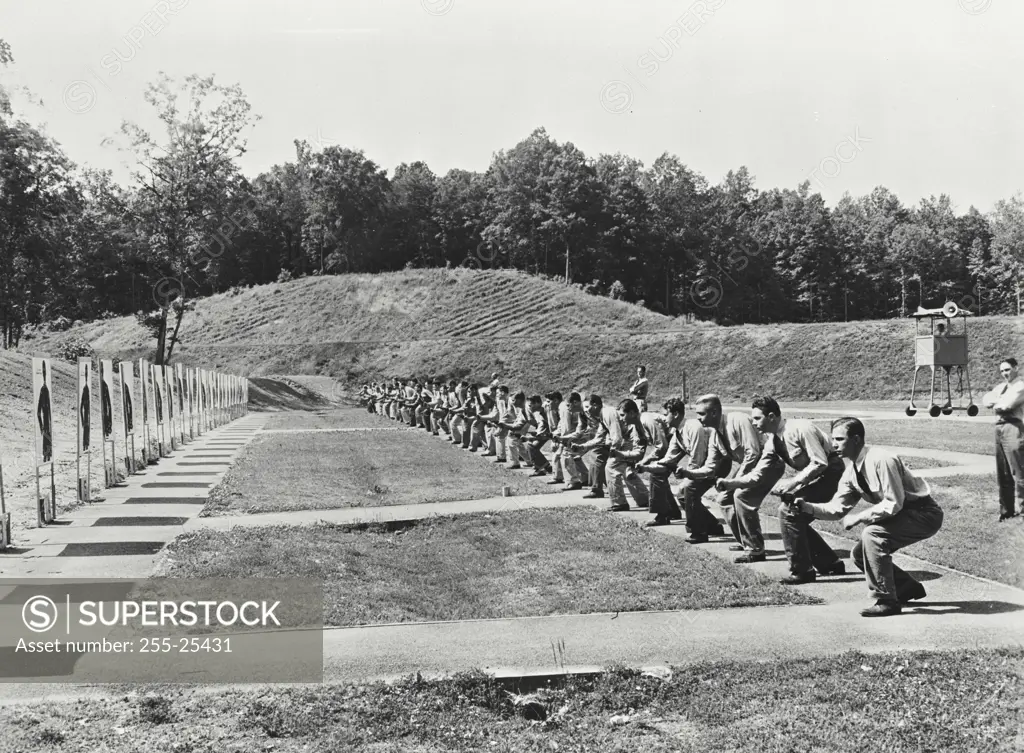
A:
(1007, 400)
(640, 388)
(808, 450)
(902, 512)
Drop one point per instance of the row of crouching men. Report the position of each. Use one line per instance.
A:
(609, 451)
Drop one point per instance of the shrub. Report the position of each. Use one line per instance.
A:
(60, 324)
(285, 276)
(72, 348)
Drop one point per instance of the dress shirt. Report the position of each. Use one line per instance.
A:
(688, 441)
(805, 448)
(640, 388)
(1008, 400)
(656, 427)
(634, 441)
(608, 431)
(889, 485)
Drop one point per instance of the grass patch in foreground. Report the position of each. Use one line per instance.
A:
(971, 538)
(514, 564)
(328, 471)
(922, 701)
(342, 418)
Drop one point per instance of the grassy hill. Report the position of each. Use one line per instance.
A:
(538, 333)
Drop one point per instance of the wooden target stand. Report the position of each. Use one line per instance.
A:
(84, 480)
(5, 517)
(46, 506)
(109, 468)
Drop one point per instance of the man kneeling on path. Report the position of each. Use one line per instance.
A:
(902, 513)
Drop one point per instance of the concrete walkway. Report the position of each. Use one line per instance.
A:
(121, 535)
(960, 611)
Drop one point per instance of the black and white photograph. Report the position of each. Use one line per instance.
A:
(565, 376)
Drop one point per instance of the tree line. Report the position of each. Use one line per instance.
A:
(76, 245)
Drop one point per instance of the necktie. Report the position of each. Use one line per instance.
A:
(780, 448)
(862, 482)
(725, 442)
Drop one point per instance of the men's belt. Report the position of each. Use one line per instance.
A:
(920, 502)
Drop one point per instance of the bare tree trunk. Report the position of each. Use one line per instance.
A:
(161, 338)
(179, 315)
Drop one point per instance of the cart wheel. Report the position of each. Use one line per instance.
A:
(934, 411)
(972, 410)
(947, 411)
(911, 411)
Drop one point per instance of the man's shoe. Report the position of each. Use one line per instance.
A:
(540, 472)
(736, 548)
(882, 609)
(796, 580)
(489, 455)
(915, 591)
(593, 495)
(746, 559)
(658, 521)
(1006, 516)
(575, 486)
(619, 508)
(500, 460)
(837, 569)
(554, 481)
(515, 467)
(643, 505)
(696, 539)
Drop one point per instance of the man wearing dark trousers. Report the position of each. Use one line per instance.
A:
(732, 437)
(687, 439)
(808, 450)
(1007, 400)
(902, 512)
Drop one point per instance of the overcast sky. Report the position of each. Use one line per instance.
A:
(922, 96)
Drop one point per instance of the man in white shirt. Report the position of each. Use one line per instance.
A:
(808, 450)
(902, 512)
(640, 388)
(1007, 400)
(605, 422)
(572, 426)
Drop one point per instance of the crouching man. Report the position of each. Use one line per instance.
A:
(902, 512)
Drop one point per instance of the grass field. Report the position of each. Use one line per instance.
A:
(952, 436)
(957, 703)
(327, 471)
(517, 564)
(339, 418)
(971, 538)
(539, 334)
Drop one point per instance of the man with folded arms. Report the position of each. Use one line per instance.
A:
(902, 512)
(808, 450)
